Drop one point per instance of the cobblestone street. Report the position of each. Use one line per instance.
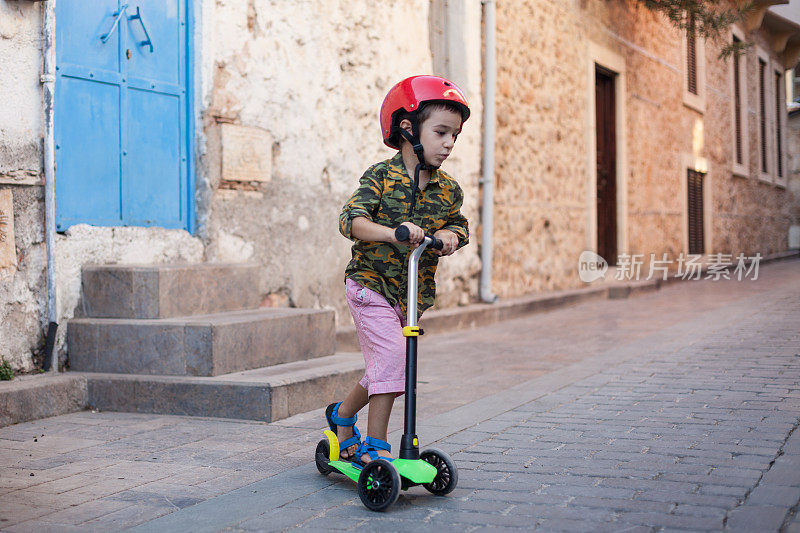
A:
(676, 410)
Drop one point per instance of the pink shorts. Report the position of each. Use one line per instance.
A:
(380, 332)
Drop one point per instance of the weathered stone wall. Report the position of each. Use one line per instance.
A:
(658, 128)
(287, 121)
(21, 250)
(793, 148)
(312, 75)
(750, 215)
(544, 195)
(21, 110)
(539, 194)
(23, 283)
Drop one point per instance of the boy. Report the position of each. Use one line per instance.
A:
(422, 117)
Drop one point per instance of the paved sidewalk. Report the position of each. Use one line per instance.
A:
(674, 410)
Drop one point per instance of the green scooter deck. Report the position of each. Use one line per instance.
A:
(417, 471)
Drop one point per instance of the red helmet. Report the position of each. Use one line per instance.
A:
(409, 94)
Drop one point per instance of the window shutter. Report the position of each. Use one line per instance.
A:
(778, 147)
(762, 67)
(691, 56)
(737, 103)
(694, 190)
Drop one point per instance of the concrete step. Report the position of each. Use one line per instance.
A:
(40, 396)
(265, 394)
(207, 345)
(163, 291)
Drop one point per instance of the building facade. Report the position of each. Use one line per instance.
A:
(209, 131)
(220, 131)
(618, 135)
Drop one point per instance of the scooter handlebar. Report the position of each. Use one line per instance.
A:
(401, 233)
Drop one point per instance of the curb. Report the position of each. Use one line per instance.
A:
(473, 315)
(33, 397)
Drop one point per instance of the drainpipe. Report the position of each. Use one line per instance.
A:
(487, 180)
(48, 86)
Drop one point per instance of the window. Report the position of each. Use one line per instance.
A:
(740, 148)
(762, 119)
(694, 93)
(737, 107)
(691, 57)
(694, 188)
(779, 88)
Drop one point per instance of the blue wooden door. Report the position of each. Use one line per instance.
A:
(121, 121)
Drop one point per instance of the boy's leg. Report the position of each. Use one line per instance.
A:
(380, 407)
(354, 402)
(379, 328)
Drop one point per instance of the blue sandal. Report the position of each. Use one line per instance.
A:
(331, 415)
(370, 447)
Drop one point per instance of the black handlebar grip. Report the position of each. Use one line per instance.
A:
(401, 233)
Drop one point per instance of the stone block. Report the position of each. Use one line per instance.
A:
(266, 394)
(246, 153)
(8, 249)
(178, 396)
(34, 397)
(164, 291)
(200, 346)
(774, 495)
(347, 340)
(756, 518)
(619, 293)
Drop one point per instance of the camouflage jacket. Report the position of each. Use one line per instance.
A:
(384, 197)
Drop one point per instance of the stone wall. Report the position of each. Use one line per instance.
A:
(545, 144)
(288, 95)
(794, 177)
(539, 188)
(750, 215)
(21, 198)
(21, 111)
(311, 76)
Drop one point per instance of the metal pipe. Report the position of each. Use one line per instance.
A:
(48, 87)
(413, 269)
(487, 180)
(409, 444)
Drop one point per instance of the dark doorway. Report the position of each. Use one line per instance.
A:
(606, 165)
(694, 190)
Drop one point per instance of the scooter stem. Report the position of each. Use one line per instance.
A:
(409, 445)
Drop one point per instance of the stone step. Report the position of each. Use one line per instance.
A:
(164, 291)
(38, 396)
(206, 345)
(265, 394)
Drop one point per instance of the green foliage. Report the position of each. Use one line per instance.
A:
(710, 19)
(6, 372)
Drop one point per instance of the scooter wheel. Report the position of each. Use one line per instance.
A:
(378, 485)
(321, 457)
(447, 474)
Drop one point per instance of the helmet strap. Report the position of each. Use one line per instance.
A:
(416, 144)
(414, 140)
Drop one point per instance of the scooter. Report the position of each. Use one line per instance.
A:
(380, 481)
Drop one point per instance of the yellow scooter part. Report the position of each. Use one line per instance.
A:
(333, 443)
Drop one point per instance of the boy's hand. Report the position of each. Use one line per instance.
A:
(449, 240)
(415, 235)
